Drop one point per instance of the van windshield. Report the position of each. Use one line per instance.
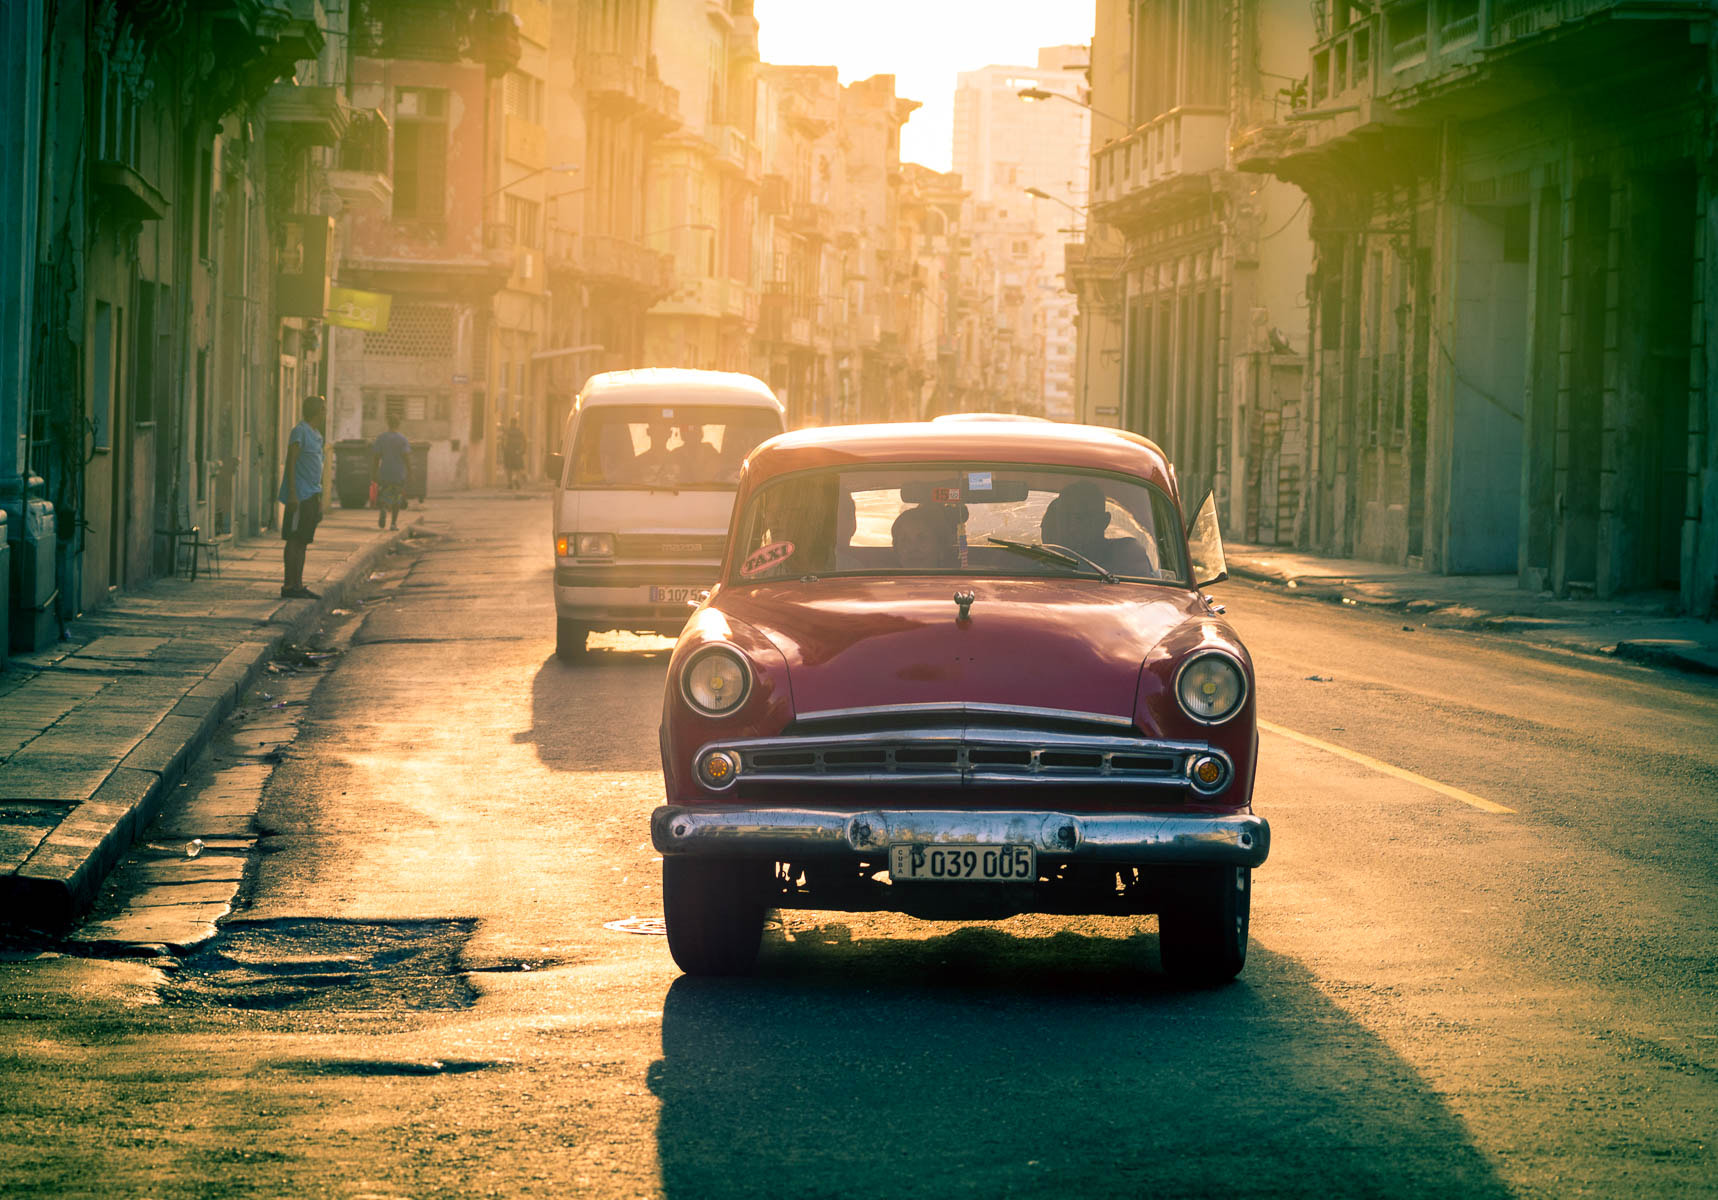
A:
(667, 446)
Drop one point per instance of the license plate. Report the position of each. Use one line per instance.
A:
(963, 864)
(673, 595)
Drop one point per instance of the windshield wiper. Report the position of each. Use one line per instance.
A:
(1066, 555)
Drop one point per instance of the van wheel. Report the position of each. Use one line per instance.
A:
(570, 640)
(1202, 930)
(714, 912)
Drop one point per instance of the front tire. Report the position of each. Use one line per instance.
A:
(1202, 930)
(570, 640)
(714, 911)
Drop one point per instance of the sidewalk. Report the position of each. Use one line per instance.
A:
(97, 729)
(1641, 626)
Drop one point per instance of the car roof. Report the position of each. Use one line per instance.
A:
(677, 385)
(988, 416)
(1036, 443)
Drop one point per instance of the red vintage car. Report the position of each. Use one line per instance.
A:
(961, 671)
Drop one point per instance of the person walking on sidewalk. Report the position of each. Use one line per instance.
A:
(390, 466)
(513, 452)
(301, 493)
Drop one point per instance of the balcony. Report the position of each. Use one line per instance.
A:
(734, 151)
(313, 116)
(787, 316)
(1183, 141)
(613, 82)
(361, 174)
(813, 220)
(601, 261)
(660, 105)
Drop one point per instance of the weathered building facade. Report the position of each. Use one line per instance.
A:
(1512, 348)
(1212, 261)
(162, 307)
(439, 247)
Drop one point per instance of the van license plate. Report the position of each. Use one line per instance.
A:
(975, 864)
(673, 595)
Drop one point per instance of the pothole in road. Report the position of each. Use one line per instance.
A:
(303, 964)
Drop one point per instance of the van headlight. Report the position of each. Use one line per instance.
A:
(1210, 687)
(595, 545)
(715, 681)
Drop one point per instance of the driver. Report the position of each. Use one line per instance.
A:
(1077, 519)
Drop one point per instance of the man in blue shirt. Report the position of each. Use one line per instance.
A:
(301, 493)
(390, 467)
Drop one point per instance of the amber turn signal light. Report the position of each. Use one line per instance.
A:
(1208, 772)
(562, 548)
(717, 768)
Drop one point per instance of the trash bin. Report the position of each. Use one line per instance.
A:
(352, 472)
(417, 482)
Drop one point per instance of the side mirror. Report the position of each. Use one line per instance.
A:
(1205, 545)
(552, 466)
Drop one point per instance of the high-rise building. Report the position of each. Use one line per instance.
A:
(1020, 148)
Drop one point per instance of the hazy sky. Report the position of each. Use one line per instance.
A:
(923, 43)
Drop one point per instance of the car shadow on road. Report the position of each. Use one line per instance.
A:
(982, 1063)
(601, 714)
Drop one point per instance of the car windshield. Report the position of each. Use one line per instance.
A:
(667, 446)
(960, 519)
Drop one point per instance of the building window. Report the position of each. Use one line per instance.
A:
(525, 216)
(420, 154)
(522, 96)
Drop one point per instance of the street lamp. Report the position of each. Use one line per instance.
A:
(559, 168)
(1041, 194)
(1035, 93)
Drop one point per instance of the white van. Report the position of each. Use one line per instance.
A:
(649, 463)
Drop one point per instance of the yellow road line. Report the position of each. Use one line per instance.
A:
(1442, 789)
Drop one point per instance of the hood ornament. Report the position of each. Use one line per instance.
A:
(964, 601)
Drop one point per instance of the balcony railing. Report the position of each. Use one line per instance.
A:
(1180, 142)
(619, 262)
(612, 80)
(812, 219)
(735, 150)
(364, 147)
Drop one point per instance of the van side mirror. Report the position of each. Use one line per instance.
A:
(1205, 545)
(552, 466)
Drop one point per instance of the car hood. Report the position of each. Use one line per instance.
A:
(1070, 644)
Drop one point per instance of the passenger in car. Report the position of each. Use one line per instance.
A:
(696, 461)
(1078, 519)
(654, 464)
(923, 538)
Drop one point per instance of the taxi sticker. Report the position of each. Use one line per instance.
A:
(978, 481)
(765, 557)
(945, 495)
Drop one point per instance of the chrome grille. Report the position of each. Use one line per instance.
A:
(961, 756)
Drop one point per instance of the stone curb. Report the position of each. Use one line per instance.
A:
(62, 875)
(1668, 652)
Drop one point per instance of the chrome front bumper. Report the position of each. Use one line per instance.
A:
(798, 834)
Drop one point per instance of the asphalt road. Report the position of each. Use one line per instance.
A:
(419, 992)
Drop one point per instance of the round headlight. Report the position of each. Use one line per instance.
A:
(715, 681)
(1211, 687)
